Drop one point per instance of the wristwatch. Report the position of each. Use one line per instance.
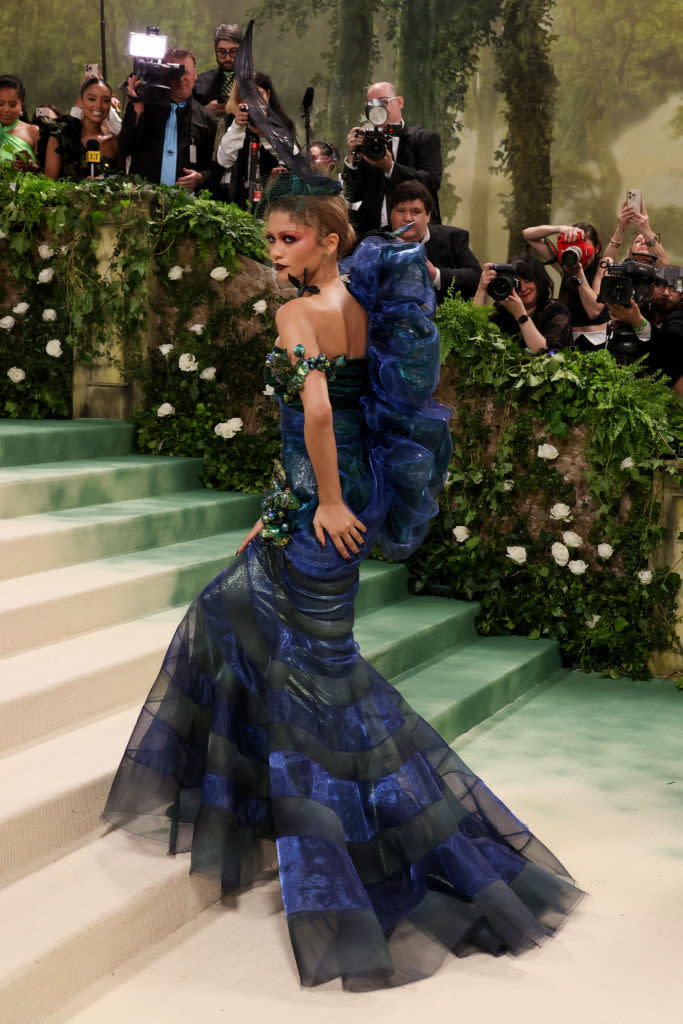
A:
(523, 318)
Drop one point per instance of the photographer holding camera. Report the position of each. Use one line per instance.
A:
(382, 155)
(248, 158)
(170, 142)
(576, 251)
(522, 291)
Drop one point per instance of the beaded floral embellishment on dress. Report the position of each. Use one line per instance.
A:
(292, 376)
(277, 506)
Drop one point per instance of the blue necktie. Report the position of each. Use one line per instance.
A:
(169, 160)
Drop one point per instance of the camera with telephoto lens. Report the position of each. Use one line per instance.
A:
(153, 73)
(504, 283)
(625, 281)
(571, 254)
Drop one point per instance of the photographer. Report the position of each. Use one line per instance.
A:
(247, 157)
(571, 251)
(525, 309)
(404, 153)
(666, 317)
(170, 143)
(645, 246)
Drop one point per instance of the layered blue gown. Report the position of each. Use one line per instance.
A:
(266, 726)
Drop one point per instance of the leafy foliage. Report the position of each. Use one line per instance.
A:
(615, 433)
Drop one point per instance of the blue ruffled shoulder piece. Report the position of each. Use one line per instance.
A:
(410, 439)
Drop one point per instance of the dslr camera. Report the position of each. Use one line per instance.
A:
(154, 75)
(625, 281)
(505, 281)
(581, 251)
(377, 138)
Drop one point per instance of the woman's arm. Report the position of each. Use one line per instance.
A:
(532, 337)
(53, 161)
(231, 144)
(642, 224)
(535, 236)
(588, 295)
(332, 516)
(481, 295)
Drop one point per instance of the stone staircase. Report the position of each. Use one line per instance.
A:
(100, 552)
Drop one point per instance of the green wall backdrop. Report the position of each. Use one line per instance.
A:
(619, 105)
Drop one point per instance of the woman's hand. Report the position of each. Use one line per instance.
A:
(242, 115)
(513, 304)
(570, 233)
(642, 223)
(343, 527)
(625, 216)
(487, 275)
(254, 532)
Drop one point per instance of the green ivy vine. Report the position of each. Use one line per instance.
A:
(550, 515)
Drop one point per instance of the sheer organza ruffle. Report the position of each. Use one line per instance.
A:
(410, 440)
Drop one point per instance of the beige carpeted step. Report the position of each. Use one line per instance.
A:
(78, 918)
(52, 793)
(47, 607)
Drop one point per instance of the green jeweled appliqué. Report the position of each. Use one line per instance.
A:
(278, 505)
(292, 376)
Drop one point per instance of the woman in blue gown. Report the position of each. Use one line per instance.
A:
(265, 726)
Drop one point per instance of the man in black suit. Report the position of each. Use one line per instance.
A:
(172, 143)
(449, 259)
(412, 153)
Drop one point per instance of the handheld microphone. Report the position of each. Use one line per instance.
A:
(92, 157)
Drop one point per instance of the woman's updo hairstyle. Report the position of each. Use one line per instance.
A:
(95, 81)
(326, 214)
(13, 82)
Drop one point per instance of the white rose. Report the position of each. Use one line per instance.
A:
(219, 274)
(605, 551)
(269, 390)
(45, 252)
(571, 539)
(461, 533)
(54, 348)
(16, 375)
(45, 276)
(166, 409)
(21, 308)
(229, 428)
(516, 554)
(208, 373)
(7, 323)
(174, 274)
(2, 235)
(577, 566)
(196, 329)
(645, 577)
(49, 314)
(187, 362)
(593, 621)
(560, 553)
(261, 306)
(560, 511)
(508, 485)
(547, 451)
(165, 349)
(627, 463)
